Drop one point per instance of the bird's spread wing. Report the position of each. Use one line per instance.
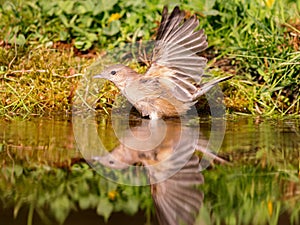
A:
(177, 199)
(174, 58)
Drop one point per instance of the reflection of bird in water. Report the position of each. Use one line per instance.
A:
(173, 83)
(172, 169)
(177, 199)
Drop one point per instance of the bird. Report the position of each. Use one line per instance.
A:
(173, 171)
(174, 81)
(178, 199)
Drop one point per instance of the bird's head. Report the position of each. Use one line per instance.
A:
(111, 161)
(119, 74)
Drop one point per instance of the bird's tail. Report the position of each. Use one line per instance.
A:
(205, 87)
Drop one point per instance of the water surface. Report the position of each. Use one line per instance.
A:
(45, 179)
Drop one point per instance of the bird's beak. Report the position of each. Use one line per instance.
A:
(101, 76)
(98, 76)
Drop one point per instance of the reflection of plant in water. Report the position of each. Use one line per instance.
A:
(53, 192)
(257, 189)
(246, 195)
(250, 195)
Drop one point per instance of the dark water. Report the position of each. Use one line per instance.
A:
(50, 171)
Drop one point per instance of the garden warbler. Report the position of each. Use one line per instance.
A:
(171, 167)
(173, 82)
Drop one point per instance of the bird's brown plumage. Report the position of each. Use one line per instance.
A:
(172, 169)
(174, 81)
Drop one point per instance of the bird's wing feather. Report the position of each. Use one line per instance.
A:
(143, 88)
(177, 199)
(174, 56)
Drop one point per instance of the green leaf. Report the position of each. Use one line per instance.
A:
(21, 40)
(63, 35)
(88, 174)
(112, 29)
(86, 21)
(60, 208)
(84, 202)
(104, 5)
(66, 6)
(209, 4)
(132, 205)
(83, 187)
(263, 74)
(104, 208)
(18, 170)
(8, 6)
(64, 20)
(85, 6)
(83, 43)
(81, 9)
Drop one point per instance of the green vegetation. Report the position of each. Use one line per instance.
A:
(247, 195)
(45, 48)
(234, 195)
(53, 193)
(47, 177)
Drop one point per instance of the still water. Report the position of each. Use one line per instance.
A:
(55, 171)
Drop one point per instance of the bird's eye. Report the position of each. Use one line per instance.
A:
(111, 162)
(113, 72)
